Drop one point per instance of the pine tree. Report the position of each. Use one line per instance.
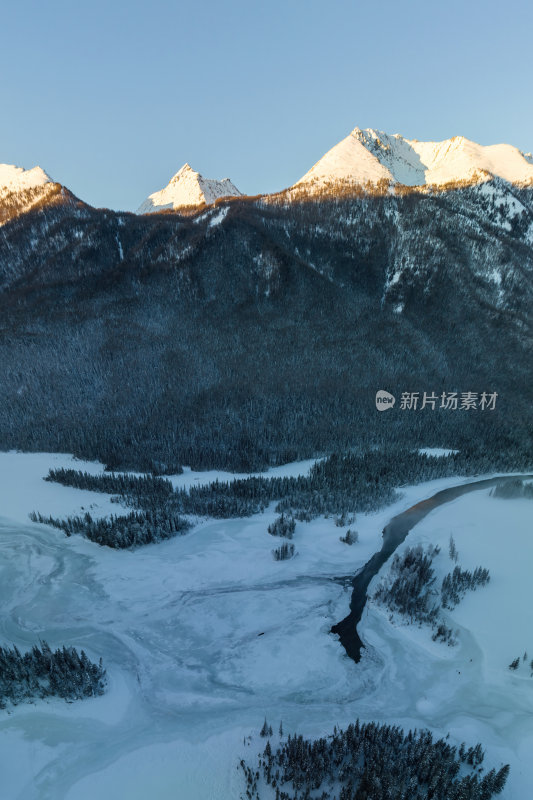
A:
(501, 778)
(454, 555)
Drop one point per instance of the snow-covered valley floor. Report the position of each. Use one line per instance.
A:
(205, 635)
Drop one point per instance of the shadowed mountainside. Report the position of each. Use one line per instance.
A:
(259, 330)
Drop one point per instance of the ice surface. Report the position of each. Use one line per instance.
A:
(205, 634)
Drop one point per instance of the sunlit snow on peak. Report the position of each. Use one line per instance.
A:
(15, 179)
(371, 156)
(188, 188)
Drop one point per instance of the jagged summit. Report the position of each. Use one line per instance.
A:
(188, 188)
(370, 156)
(22, 190)
(16, 179)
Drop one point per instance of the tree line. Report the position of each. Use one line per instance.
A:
(371, 761)
(509, 490)
(409, 588)
(340, 484)
(42, 672)
(121, 532)
(113, 483)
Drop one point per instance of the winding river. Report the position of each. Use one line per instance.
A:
(393, 535)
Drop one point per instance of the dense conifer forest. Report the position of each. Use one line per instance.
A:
(340, 484)
(112, 483)
(263, 340)
(121, 532)
(42, 672)
(370, 761)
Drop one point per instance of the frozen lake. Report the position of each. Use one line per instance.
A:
(204, 635)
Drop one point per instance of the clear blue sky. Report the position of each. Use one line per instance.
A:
(111, 98)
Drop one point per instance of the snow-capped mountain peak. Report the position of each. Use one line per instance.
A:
(16, 179)
(370, 156)
(22, 189)
(188, 188)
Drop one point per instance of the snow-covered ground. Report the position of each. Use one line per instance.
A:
(205, 634)
(437, 451)
(468, 690)
(24, 490)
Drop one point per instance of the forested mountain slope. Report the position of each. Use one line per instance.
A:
(260, 330)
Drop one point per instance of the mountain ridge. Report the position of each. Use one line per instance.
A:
(370, 157)
(254, 333)
(366, 160)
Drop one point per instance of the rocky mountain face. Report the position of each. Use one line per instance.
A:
(369, 158)
(22, 190)
(188, 190)
(259, 330)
